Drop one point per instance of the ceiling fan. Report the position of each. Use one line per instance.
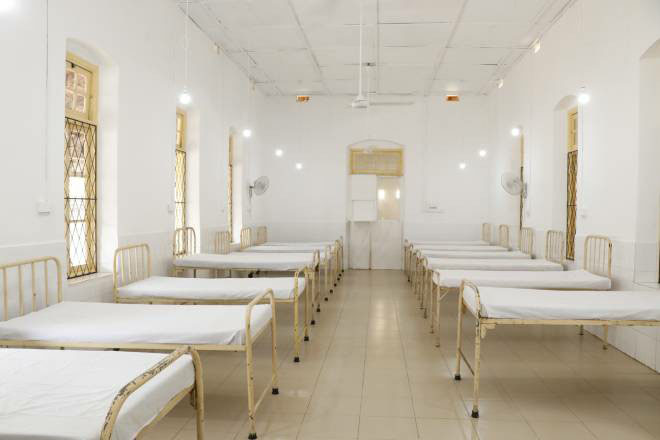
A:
(362, 101)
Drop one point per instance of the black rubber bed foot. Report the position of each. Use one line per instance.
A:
(342, 271)
(306, 338)
(313, 322)
(475, 414)
(335, 284)
(331, 291)
(326, 298)
(252, 436)
(296, 359)
(457, 377)
(318, 310)
(276, 391)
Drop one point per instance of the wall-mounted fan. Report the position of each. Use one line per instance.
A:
(260, 186)
(513, 184)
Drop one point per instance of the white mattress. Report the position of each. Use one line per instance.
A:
(504, 255)
(570, 279)
(503, 302)
(450, 243)
(66, 394)
(247, 260)
(210, 288)
(492, 264)
(286, 249)
(110, 323)
(461, 248)
(299, 243)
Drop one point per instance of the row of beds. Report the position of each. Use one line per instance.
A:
(500, 286)
(105, 393)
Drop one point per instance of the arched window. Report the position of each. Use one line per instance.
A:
(230, 188)
(180, 171)
(571, 182)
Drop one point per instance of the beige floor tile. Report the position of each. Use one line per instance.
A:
(504, 430)
(390, 407)
(333, 404)
(387, 428)
(606, 429)
(325, 426)
(561, 430)
(433, 429)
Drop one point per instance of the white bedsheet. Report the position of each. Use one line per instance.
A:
(461, 248)
(287, 249)
(504, 255)
(493, 264)
(66, 394)
(299, 243)
(570, 279)
(450, 243)
(110, 323)
(503, 302)
(247, 260)
(211, 288)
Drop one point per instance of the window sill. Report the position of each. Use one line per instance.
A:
(88, 278)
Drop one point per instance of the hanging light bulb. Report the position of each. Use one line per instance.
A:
(247, 133)
(185, 97)
(583, 96)
(462, 165)
(7, 5)
(299, 166)
(515, 131)
(279, 152)
(483, 153)
(500, 83)
(537, 46)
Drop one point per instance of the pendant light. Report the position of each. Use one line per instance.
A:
(185, 98)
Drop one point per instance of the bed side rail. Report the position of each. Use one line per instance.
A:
(37, 272)
(130, 264)
(222, 243)
(503, 236)
(526, 240)
(262, 235)
(246, 237)
(598, 255)
(185, 242)
(135, 384)
(554, 246)
(486, 230)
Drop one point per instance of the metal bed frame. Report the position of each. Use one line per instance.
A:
(266, 296)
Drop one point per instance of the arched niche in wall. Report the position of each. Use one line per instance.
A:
(648, 189)
(560, 160)
(106, 149)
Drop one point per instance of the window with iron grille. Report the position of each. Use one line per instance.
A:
(180, 172)
(571, 183)
(80, 166)
(379, 161)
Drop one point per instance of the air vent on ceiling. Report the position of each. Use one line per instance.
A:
(453, 98)
(302, 98)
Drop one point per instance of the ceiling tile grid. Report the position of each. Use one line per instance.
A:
(410, 47)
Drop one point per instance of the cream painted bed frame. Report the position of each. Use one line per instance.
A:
(409, 257)
(483, 324)
(597, 260)
(266, 296)
(188, 238)
(422, 279)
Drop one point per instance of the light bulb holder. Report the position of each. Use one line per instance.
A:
(462, 165)
(583, 96)
(279, 152)
(516, 131)
(185, 98)
(483, 153)
(247, 133)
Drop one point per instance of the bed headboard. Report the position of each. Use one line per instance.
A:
(222, 242)
(130, 264)
(262, 235)
(598, 255)
(554, 246)
(486, 229)
(526, 240)
(503, 238)
(246, 237)
(185, 242)
(36, 268)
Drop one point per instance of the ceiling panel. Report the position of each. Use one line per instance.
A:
(504, 11)
(340, 71)
(475, 55)
(252, 12)
(334, 12)
(478, 34)
(273, 58)
(403, 79)
(419, 34)
(343, 86)
(420, 56)
(418, 11)
(339, 55)
(301, 87)
(468, 72)
(333, 36)
(268, 37)
(444, 86)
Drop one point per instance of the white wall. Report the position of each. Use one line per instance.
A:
(311, 203)
(140, 47)
(597, 44)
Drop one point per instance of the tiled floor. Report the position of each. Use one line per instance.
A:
(372, 371)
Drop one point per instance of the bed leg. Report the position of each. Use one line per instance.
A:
(306, 328)
(477, 371)
(432, 305)
(250, 389)
(459, 339)
(605, 334)
(198, 395)
(581, 330)
(296, 337)
(273, 330)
